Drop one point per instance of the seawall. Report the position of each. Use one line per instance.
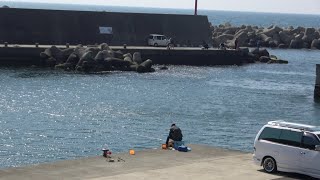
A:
(30, 55)
(29, 26)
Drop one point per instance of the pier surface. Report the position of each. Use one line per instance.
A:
(202, 163)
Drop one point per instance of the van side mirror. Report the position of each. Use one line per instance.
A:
(317, 148)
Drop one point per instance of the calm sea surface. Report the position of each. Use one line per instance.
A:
(47, 115)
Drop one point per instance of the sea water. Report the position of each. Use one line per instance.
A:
(48, 115)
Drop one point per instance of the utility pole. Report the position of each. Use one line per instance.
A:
(196, 8)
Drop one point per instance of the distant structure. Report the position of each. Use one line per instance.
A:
(5, 6)
(317, 85)
(196, 8)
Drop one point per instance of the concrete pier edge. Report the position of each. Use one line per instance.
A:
(201, 163)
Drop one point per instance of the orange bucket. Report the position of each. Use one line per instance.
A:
(131, 152)
(164, 146)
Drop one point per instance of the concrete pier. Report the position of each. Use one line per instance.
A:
(30, 55)
(45, 26)
(317, 85)
(202, 163)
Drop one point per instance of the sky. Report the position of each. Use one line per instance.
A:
(279, 6)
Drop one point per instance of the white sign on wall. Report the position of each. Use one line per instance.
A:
(105, 30)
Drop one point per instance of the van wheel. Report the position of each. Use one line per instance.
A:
(269, 165)
(155, 45)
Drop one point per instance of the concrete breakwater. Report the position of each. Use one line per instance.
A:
(30, 55)
(94, 59)
(87, 27)
(273, 36)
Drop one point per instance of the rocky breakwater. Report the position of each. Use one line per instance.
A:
(94, 59)
(262, 56)
(273, 36)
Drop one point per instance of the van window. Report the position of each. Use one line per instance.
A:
(150, 37)
(159, 37)
(292, 138)
(309, 141)
(270, 134)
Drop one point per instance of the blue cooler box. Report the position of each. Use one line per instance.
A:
(183, 148)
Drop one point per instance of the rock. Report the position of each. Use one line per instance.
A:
(282, 46)
(163, 68)
(260, 52)
(55, 53)
(306, 45)
(60, 66)
(105, 46)
(263, 52)
(242, 37)
(119, 64)
(228, 32)
(5, 6)
(145, 66)
(298, 37)
(67, 52)
(285, 37)
(299, 30)
(274, 30)
(272, 44)
(252, 43)
(222, 39)
(79, 51)
(94, 50)
(255, 51)
(118, 54)
(102, 55)
(137, 57)
(265, 38)
(88, 57)
(276, 38)
(73, 59)
(316, 35)
(46, 54)
(264, 59)
(252, 35)
(128, 58)
(50, 62)
(277, 61)
(295, 44)
(309, 31)
(128, 55)
(315, 44)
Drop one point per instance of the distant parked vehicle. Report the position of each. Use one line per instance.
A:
(158, 40)
(288, 147)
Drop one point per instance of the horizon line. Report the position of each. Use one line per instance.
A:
(225, 10)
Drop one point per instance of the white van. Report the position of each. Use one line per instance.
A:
(288, 147)
(158, 40)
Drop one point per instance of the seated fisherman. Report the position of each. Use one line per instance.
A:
(175, 134)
